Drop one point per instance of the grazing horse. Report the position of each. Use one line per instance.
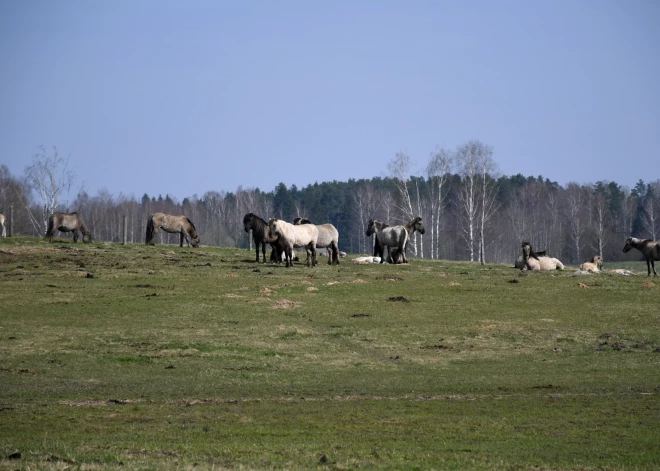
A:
(394, 238)
(2, 224)
(64, 222)
(649, 248)
(291, 236)
(258, 227)
(328, 238)
(174, 225)
(534, 261)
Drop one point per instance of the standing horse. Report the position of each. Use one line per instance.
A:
(535, 261)
(2, 223)
(649, 248)
(64, 222)
(394, 238)
(174, 225)
(328, 238)
(291, 236)
(252, 222)
(411, 226)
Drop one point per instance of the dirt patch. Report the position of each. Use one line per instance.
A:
(358, 281)
(333, 283)
(98, 402)
(582, 285)
(311, 288)
(232, 295)
(232, 275)
(435, 347)
(398, 299)
(454, 283)
(284, 304)
(361, 315)
(648, 284)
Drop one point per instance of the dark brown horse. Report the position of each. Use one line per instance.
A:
(174, 225)
(649, 248)
(259, 228)
(64, 222)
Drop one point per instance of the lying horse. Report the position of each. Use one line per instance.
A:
(2, 223)
(520, 264)
(394, 238)
(649, 248)
(594, 265)
(534, 261)
(328, 238)
(64, 222)
(174, 225)
(258, 227)
(291, 236)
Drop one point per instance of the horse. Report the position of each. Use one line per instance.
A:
(534, 261)
(594, 265)
(2, 223)
(64, 222)
(174, 225)
(520, 264)
(390, 237)
(411, 226)
(291, 236)
(649, 248)
(258, 227)
(328, 238)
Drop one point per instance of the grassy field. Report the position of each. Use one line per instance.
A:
(135, 357)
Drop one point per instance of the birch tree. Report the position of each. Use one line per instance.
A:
(437, 170)
(399, 168)
(50, 179)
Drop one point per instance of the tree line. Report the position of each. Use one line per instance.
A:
(470, 211)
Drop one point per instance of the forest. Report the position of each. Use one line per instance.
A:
(470, 211)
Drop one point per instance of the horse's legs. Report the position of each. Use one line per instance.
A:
(330, 251)
(263, 251)
(650, 263)
(75, 236)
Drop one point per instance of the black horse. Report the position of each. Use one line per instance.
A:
(259, 229)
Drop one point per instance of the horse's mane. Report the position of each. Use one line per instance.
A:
(191, 224)
(302, 221)
(533, 254)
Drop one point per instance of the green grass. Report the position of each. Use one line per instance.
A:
(135, 357)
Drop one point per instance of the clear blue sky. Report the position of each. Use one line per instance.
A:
(185, 97)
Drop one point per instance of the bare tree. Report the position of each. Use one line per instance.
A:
(438, 169)
(575, 215)
(399, 168)
(650, 216)
(601, 216)
(366, 204)
(50, 178)
(477, 194)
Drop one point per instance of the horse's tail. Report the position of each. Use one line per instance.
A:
(50, 230)
(150, 230)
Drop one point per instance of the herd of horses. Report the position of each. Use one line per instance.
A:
(283, 237)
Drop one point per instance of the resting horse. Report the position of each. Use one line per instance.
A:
(291, 236)
(534, 261)
(64, 222)
(328, 238)
(259, 228)
(2, 223)
(394, 238)
(174, 225)
(649, 248)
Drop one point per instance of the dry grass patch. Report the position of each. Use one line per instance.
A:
(284, 304)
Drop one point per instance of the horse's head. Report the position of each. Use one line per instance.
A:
(527, 250)
(629, 245)
(87, 238)
(247, 222)
(371, 228)
(419, 225)
(599, 262)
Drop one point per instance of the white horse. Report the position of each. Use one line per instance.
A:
(394, 238)
(328, 238)
(534, 261)
(292, 236)
(2, 224)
